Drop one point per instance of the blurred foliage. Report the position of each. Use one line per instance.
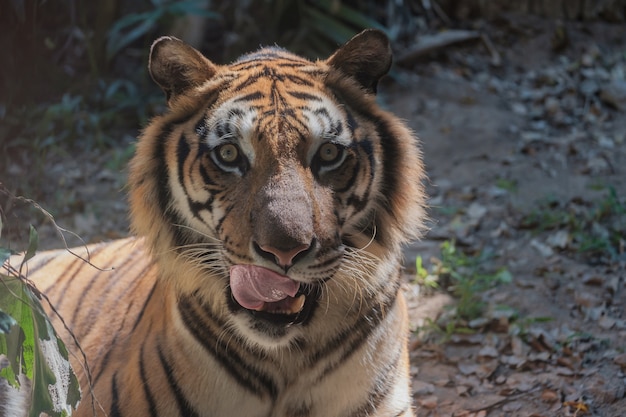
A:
(134, 26)
(75, 72)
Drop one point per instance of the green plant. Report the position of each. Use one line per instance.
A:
(310, 28)
(134, 26)
(466, 277)
(442, 331)
(423, 276)
(36, 365)
(506, 184)
(519, 326)
(597, 227)
(86, 121)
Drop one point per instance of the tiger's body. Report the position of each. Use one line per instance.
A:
(272, 200)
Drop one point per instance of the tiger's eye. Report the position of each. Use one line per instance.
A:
(328, 152)
(228, 153)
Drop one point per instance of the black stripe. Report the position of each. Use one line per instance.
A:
(115, 399)
(251, 79)
(146, 386)
(107, 356)
(31, 270)
(182, 154)
(352, 123)
(145, 305)
(352, 177)
(391, 169)
(380, 389)
(301, 95)
(164, 195)
(184, 408)
(295, 64)
(91, 317)
(66, 279)
(162, 176)
(70, 280)
(299, 80)
(96, 276)
(257, 95)
(356, 334)
(237, 366)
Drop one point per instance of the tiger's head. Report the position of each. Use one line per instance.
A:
(275, 187)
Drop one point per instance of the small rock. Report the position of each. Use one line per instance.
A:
(422, 388)
(606, 142)
(596, 165)
(429, 403)
(589, 88)
(620, 360)
(468, 368)
(606, 322)
(478, 323)
(519, 109)
(593, 279)
(586, 299)
(563, 371)
(512, 406)
(559, 239)
(488, 352)
(544, 250)
(500, 379)
(476, 211)
(614, 94)
(549, 396)
(552, 105)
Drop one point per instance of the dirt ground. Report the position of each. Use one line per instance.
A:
(552, 342)
(546, 123)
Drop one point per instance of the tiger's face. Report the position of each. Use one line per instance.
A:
(270, 175)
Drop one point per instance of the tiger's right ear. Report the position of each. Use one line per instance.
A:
(176, 67)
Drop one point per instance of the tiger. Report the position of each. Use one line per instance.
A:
(269, 205)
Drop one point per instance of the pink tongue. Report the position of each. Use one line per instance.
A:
(253, 286)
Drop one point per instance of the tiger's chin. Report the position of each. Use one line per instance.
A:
(276, 324)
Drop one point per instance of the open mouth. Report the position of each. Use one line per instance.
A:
(291, 310)
(270, 296)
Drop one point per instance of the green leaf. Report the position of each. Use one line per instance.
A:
(192, 8)
(142, 22)
(34, 351)
(6, 322)
(358, 19)
(33, 242)
(4, 255)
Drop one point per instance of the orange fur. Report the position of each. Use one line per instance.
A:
(275, 162)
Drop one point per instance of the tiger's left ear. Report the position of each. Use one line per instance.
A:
(366, 57)
(177, 67)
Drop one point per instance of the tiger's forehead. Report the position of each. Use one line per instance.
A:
(277, 96)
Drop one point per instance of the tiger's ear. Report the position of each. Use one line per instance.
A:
(366, 57)
(176, 67)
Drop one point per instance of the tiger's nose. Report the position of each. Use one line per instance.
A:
(283, 257)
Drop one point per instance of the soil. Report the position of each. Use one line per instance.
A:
(498, 140)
